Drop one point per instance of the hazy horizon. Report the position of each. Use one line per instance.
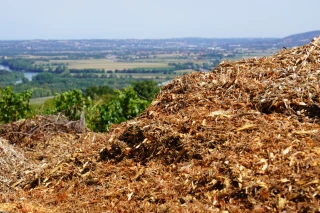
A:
(147, 19)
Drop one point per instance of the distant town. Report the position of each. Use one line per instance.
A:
(62, 65)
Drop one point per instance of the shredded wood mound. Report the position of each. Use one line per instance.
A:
(11, 158)
(242, 138)
(39, 129)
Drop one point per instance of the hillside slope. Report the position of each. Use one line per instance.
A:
(242, 138)
(298, 39)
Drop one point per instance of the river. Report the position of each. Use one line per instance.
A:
(28, 75)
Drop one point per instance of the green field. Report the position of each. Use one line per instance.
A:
(106, 64)
(36, 101)
(149, 76)
(180, 72)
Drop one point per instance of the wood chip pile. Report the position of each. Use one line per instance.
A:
(242, 138)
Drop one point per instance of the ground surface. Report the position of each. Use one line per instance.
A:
(242, 138)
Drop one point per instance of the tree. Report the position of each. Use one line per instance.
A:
(100, 91)
(25, 80)
(146, 89)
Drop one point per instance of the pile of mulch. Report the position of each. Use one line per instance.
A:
(242, 138)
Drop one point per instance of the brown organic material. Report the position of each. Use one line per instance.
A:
(242, 138)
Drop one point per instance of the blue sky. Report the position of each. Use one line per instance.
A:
(105, 19)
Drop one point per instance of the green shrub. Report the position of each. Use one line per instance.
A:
(126, 104)
(71, 104)
(14, 106)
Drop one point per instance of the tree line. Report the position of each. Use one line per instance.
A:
(9, 78)
(22, 64)
(101, 105)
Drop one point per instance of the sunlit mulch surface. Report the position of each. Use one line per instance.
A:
(242, 138)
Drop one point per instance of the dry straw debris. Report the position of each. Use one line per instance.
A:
(242, 138)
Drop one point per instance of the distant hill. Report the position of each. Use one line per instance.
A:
(298, 39)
